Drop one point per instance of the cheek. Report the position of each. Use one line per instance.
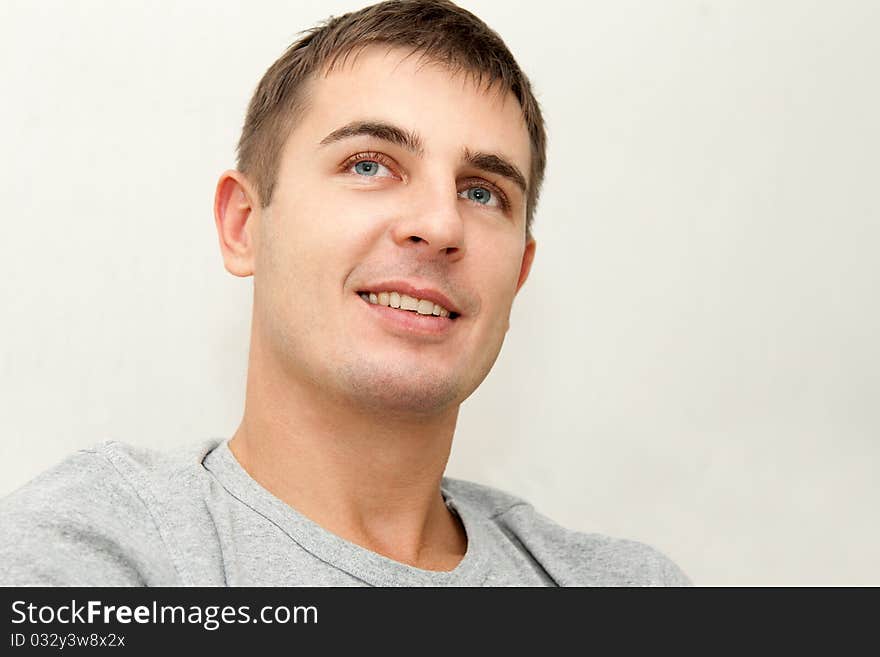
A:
(308, 242)
(500, 264)
(498, 273)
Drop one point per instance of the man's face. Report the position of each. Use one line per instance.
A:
(359, 214)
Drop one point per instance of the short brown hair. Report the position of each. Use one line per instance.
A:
(440, 30)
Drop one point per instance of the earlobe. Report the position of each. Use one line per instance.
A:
(234, 213)
(526, 267)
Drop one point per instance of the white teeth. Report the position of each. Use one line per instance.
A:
(405, 302)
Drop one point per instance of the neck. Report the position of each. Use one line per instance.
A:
(370, 477)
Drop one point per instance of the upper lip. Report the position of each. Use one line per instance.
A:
(427, 293)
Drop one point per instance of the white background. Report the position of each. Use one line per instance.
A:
(694, 362)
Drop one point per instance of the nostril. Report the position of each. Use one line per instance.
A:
(414, 238)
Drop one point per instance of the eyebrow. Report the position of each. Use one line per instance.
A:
(412, 142)
(378, 130)
(496, 164)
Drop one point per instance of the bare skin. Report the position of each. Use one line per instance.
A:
(350, 413)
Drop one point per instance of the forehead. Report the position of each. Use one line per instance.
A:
(450, 111)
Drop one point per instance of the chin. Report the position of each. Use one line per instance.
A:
(398, 390)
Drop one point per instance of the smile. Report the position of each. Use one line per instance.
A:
(400, 301)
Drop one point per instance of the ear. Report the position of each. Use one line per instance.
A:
(526, 267)
(235, 212)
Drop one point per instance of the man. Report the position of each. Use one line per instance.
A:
(388, 173)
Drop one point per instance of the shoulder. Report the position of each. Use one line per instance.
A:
(572, 558)
(90, 520)
(131, 460)
(487, 501)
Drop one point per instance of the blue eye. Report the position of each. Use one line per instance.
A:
(484, 196)
(366, 168)
(479, 194)
(371, 169)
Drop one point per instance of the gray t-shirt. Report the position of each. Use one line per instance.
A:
(117, 515)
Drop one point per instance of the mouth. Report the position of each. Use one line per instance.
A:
(406, 303)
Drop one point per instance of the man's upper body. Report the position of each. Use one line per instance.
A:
(119, 516)
(388, 172)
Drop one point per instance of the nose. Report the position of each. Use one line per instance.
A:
(433, 224)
